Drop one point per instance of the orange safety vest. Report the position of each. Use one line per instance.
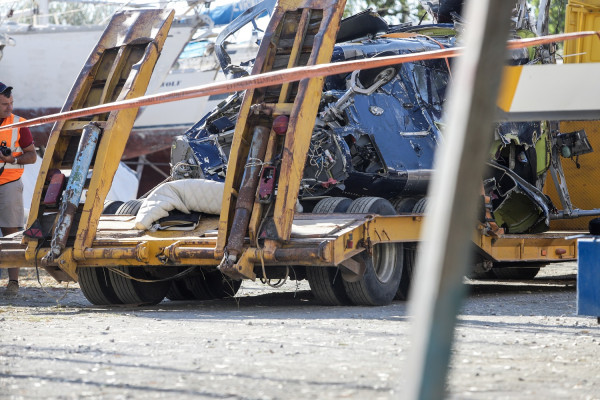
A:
(12, 172)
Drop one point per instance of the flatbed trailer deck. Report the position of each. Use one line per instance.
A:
(316, 240)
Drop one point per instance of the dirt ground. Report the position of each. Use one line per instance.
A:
(514, 340)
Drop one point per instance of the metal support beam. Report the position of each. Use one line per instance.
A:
(446, 251)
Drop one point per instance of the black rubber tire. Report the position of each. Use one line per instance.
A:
(96, 286)
(482, 276)
(380, 282)
(130, 207)
(410, 259)
(196, 285)
(404, 204)
(410, 255)
(515, 273)
(111, 207)
(130, 291)
(332, 205)
(220, 286)
(210, 285)
(326, 282)
(594, 226)
(420, 206)
(327, 285)
(178, 291)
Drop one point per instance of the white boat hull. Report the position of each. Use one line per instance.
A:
(44, 63)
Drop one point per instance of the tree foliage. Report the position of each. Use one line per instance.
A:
(396, 11)
(400, 11)
(79, 14)
(62, 13)
(557, 15)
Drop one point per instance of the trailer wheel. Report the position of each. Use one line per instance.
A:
(201, 285)
(220, 286)
(404, 204)
(96, 286)
(130, 207)
(479, 270)
(420, 206)
(332, 205)
(210, 285)
(179, 291)
(410, 251)
(516, 273)
(327, 285)
(111, 207)
(384, 266)
(131, 291)
(410, 259)
(481, 276)
(326, 282)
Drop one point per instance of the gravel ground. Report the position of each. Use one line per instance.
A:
(514, 340)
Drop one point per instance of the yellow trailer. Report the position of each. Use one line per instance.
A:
(364, 256)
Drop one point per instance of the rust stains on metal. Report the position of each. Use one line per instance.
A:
(247, 191)
(72, 194)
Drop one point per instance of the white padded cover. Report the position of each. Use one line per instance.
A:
(184, 195)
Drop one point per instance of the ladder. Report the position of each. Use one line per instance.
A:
(119, 68)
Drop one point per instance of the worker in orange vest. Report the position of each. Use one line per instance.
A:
(16, 149)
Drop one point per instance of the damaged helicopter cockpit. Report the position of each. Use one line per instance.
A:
(377, 130)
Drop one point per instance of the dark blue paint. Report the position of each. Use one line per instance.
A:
(588, 278)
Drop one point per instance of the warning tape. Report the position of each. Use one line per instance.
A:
(284, 76)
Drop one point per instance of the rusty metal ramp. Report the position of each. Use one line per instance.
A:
(265, 157)
(60, 224)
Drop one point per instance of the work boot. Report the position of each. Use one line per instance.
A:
(11, 289)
